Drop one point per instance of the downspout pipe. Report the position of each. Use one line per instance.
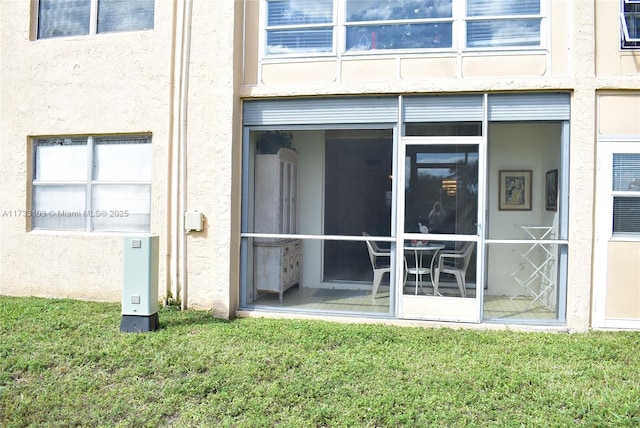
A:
(184, 104)
(171, 269)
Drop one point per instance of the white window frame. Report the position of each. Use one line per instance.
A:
(466, 19)
(624, 29)
(459, 21)
(93, 22)
(89, 181)
(266, 28)
(620, 194)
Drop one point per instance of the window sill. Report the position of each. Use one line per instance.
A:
(444, 53)
(78, 233)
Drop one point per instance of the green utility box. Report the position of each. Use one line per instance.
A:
(140, 285)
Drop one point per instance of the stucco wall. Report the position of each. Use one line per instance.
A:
(213, 148)
(125, 83)
(103, 84)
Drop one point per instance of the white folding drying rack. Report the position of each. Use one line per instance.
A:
(537, 263)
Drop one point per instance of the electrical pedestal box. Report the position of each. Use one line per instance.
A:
(140, 285)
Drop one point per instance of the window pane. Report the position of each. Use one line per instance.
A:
(406, 36)
(441, 190)
(299, 12)
(384, 10)
(626, 215)
(295, 41)
(443, 129)
(626, 172)
(502, 7)
(61, 159)
(122, 159)
(632, 22)
(59, 207)
(121, 207)
(521, 32)
(125, 15)
(58, 18)
(633, 27)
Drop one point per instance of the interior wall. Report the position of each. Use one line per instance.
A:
(531, 146)
(310, 148)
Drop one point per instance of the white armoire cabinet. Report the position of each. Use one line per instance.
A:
(277, 262)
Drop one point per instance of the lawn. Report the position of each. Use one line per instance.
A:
(65, 363)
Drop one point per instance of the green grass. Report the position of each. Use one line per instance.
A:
(65, 363)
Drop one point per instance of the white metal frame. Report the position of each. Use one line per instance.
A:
(434, 308)
(442, 308)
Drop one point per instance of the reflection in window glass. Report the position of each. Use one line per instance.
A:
(441, 190)
(497, 33)
(384, 10)
(404, 36)
(58, 18)
(299, 12)
(292, 41)
(502, 29)
(125, 15)
(502, 7)
(435, 33)
(295, 26)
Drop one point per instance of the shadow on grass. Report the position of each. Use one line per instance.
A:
(175, 318)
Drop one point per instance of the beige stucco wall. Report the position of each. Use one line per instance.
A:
(619, 114)
(105, 84)
(125, 83)
(213, 156)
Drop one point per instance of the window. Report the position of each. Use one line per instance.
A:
(374, 24)
(493, 23)
(337, 26)
(630, 24)
(295, 26)
(60, 18)
(626, 194)
(92, 184)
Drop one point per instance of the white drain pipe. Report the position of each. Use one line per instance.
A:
(176, 278)
(184, 104)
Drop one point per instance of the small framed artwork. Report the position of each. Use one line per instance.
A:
(515, 190)
(551, 190)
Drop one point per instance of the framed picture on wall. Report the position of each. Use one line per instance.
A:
(551, 190)
(515, 190)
